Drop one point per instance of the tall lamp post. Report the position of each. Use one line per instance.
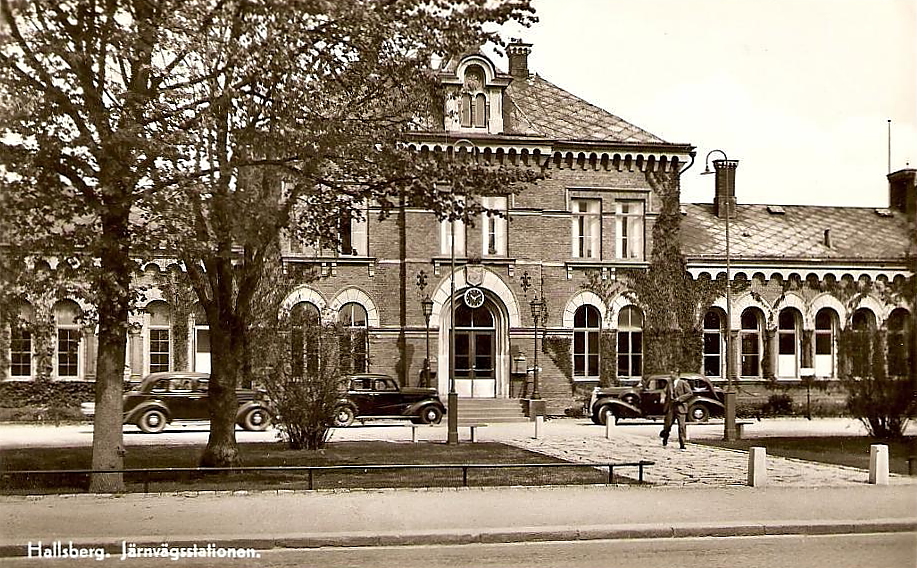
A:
(725, 164)
(426, 305)
(538, 307)
(537, 310)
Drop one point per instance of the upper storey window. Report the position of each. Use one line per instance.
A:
(475, 109)
(629, 229)
(587, 228)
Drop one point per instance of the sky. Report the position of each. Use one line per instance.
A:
(799, 91)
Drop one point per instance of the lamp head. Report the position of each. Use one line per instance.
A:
(427, 305)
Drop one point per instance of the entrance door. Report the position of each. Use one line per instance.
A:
(475, 349)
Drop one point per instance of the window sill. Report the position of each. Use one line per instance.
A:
(341, 259)
(329, 264)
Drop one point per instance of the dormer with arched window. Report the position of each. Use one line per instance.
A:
(475, 101)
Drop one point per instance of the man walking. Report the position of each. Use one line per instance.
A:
(677, 394)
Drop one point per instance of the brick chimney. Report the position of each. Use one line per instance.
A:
(725, 198)
(902, 192)
(519, 58)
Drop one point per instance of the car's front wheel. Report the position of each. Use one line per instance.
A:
(698, 413)
(256, 420)
(344, 416)
(152, 421)
(602, 416)
(431, 415)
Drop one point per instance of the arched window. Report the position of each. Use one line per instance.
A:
(898, 343)
(474, 102)
(825, 342)
(750, 338)
(21, 343)
(863, 320)
(304, 352)
(713, 344)
(66, 316)
(587, 330)
(355, 339)
(630, 343)
(788, 336)
(159, 336)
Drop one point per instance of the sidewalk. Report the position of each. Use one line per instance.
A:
(696, 492)
(448, 516)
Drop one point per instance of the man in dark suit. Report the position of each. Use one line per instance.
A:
(677, 394)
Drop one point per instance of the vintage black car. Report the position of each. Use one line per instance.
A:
(646, 400)
(379, 396)
(161, 398)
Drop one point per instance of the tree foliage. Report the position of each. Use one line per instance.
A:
(883, 403)
(203, 129)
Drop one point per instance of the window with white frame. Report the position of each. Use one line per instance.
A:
(493, 227)
(159, 337)
(713, 344)
(752, 342)
(21, 344)
(449, 230)
(587, 330)
(825, 330)
(587, 228)
(629, 229)
(354, 339)
(66, 316)
(630, 343)
(305, 339)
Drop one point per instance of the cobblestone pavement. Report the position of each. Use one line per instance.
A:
(696, 465)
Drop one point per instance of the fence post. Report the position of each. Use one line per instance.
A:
(878, 464)
(609, 424)
(757, 466)
(539, 426)
(611, 474)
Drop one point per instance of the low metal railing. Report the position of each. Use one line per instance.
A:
(145, 473)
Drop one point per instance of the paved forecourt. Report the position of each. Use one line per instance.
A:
(579, 440)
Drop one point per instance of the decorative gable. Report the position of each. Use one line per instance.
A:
(474, 90)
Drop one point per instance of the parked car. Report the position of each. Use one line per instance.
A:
(647, 399)
(161, 398)
(379, 396)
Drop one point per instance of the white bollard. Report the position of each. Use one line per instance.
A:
(757, 466)
(539, 426)
(878, 464)
(609, 424)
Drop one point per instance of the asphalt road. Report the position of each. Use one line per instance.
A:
(896, 550)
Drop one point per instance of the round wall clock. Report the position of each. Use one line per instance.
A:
(474, 298)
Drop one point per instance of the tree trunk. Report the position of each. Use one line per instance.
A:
(226, 347)
(113, 292)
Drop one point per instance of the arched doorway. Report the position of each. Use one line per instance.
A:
(475, 351)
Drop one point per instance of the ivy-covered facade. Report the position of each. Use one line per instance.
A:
(803, 275)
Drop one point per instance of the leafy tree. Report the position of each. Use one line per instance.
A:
(203, 129)
(297, 118)
(89, 104)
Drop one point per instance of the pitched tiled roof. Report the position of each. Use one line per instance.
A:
(539, 108)
(857, 233)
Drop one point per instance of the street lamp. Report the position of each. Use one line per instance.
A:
(725, 164)
(426, 305)
(537, 311)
